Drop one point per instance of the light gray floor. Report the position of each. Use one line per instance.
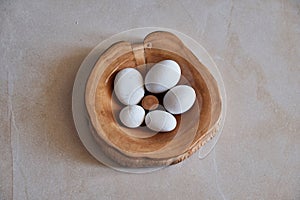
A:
(256, 45)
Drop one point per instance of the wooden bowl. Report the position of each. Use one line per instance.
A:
(194, 127)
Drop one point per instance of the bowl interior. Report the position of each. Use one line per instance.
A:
(191, 125)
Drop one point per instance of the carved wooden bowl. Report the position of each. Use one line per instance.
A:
(140, 147)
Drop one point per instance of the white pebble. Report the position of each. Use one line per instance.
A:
(160, 121)
(179, 99)
(162, 76)
(129, 86)
(132, 116)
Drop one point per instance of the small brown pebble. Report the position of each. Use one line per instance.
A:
(150, 102)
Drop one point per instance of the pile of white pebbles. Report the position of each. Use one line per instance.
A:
(129, 87)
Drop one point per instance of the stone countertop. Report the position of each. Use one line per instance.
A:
(256, 45)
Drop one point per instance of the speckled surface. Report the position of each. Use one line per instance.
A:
(254, 43)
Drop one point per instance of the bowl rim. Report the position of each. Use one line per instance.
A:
(112, 55)
(216, 71)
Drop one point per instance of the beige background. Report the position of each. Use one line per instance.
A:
(256, 45)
